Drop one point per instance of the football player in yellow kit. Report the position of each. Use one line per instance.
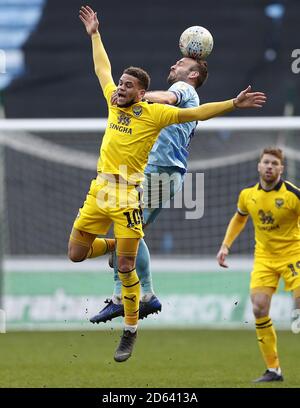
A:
(274, 206)
(115, 195)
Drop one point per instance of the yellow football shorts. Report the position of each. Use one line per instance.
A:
(110, 202)
(267, 272)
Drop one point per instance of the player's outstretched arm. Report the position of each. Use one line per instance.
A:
(235, 227)
(205, 112)
(248, 99)
(101, 61)
(245, 99)
(165, 97)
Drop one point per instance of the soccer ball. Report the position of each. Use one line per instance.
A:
(196, 42)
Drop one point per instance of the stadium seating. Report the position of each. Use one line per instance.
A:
(58, 53)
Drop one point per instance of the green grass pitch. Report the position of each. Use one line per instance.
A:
(162, 358)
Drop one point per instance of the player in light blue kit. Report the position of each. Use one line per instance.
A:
(168, 156)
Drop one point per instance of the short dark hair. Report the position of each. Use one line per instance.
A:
(201, 67)
(274, 151)
(140, 74)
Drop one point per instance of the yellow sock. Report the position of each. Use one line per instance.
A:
(100, 247)
(130, 296)
(267, 341)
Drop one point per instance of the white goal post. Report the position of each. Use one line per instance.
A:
(232, 123)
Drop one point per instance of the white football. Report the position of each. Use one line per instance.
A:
(196, 42)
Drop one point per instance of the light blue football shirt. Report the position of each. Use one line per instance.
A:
(171, 147)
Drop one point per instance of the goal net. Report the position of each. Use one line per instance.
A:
(46, 168)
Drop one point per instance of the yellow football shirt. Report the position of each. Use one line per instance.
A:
(130, 135)
(275, 215)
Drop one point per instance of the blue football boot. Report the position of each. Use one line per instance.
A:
(110, 311)
(152, 306)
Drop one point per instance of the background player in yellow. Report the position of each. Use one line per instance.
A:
(133, 126)
(274, 206)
